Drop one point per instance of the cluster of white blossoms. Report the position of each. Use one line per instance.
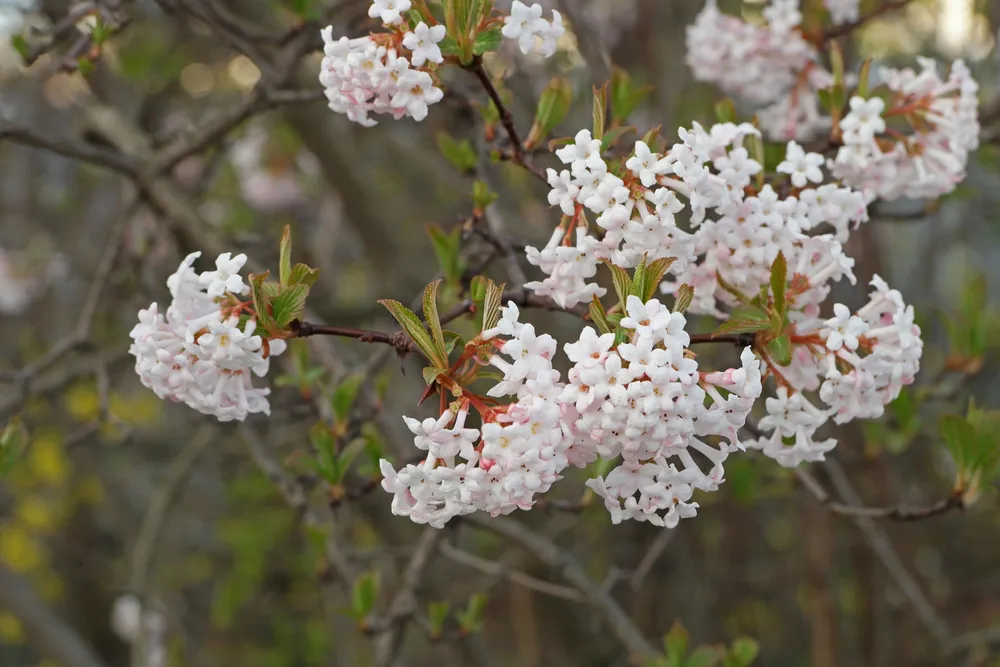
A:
(384, 73)
(931, 159)
(532, 32)
(843, 11)
(644, 400)
(201, 352)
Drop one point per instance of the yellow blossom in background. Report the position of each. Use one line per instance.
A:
(46, 459)
(19, 550)
(11, 631)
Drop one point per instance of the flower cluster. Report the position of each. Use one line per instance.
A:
(928, 162)
(533, 33)
(644, 401)
(202, 352)
(385, 73)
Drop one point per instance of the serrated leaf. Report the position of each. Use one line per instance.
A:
(285, 259)
(621, 280)
(959, 436)
(431, 374)
(447, 248)
(638, 287)
(487, 40)
(685, 295)
(414, 328)
(492, 302)
(477, 292)
(600, 111)
(448, 46)
(347, 457)
(740, 296)
(654, 275)
(344, 396)
(323, 444)
(779, 282)
(622, 335)
(13, 443)
(482, 196)
(780, 350)
(553, 105)
(625, 95)
(746, 319)
(303, 274)
(261, 301)
(433, 318)
(599, 316)
(289, 305)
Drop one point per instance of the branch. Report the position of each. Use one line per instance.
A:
(518, 155)
(49, 634)
(498, 569)
(555, 556)
(71, 149)
(404, 604)
(844, 29)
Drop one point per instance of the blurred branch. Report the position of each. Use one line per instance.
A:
(404, 604)
(78, 151)
(46, 631)
(164, 497)
(549, 552)
(498, 569)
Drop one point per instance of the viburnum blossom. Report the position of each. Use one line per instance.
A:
(644, 400)
(843, 11)
(930, 159)
(532, 32)
(201, 352)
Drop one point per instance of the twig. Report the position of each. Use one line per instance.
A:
(549, 552)
(497, 569)
(844, 29)
(404, 604)
(78, 151)
(51, 635)
(652, 555)
(152, 525)
(518, 155)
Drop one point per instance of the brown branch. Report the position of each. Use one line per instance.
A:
(518, 155)
(844, 29)
(101, 157)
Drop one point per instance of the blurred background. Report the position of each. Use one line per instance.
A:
(240, 553)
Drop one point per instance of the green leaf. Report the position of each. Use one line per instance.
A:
(625, 95)
(434, 319)
(437, 614)
(13, 443)
(431, 374)
(260, 299)
(685, 295)
(285, 262)
(622, 335)
(744, 650)
(863, 75)
(622, 281)
(364, 595)
(326, 459)
(470, 619)
(344, 396)
(613, 135)
(638, 287)
(20, 45)
(904, 408)
(347, 457)
(303, 274)
(960, 438)
(482, 196)
(448, 46)
(289, 305)
(780, 350)
(837, 62)
(779, 282)
(303, 9)
(746, 319)
(414, 328)
(492, 303)
(553, 105)
(477, 292)
(740, 296)
(599, 316)
(725, 111)
(600, 110)
(460, 154)
(704, 656)
(675, 645)
(487, 40)
(447, 248)
(757, 153)
(654, 275)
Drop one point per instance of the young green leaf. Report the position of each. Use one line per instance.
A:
(289, 305)
(959, 436)
(433, 318)
(285, 261)
(344, 396)
(685, 295)
(725, 111)
(414, 328)
(460, 154)
(639, 277)
(600, 110)
(477, 292)
(625, 96)
(364, 595)
(431, 374)
(487, 40)
(599, 316)
(492, 304)
(261, 302)
(863, 75)
(13, 442)
(326, 458)
(482, 196)
(745, 651)
(622, 281)
(740, 296)
(613, 135)
(553, 105)
(470, 619)
(437, 614)
(746, 319)
(780, 350)
(654, 275)
(303, 274)
(20, 45)
(779, 282)
(675, 645)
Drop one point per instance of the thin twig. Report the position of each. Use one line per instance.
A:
(498, 569)
(652, 555)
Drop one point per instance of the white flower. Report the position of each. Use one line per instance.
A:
(423, 42)
(524, 24)
(647, 165)
(226, 277)
(803, 167)
(843, 329)
(389, 11)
